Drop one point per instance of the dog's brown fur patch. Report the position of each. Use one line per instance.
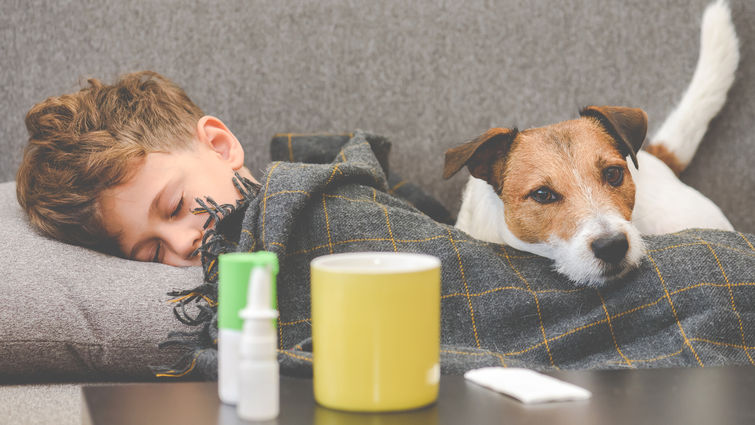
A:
(569, 158)
(661, 152)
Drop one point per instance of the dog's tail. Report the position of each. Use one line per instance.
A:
(676, 141)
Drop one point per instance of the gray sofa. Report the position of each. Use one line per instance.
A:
(428, 75)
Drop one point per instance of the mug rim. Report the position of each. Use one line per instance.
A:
(420, 263)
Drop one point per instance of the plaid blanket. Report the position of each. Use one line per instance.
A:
(690, 303)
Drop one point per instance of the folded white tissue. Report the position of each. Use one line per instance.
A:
(526, 385)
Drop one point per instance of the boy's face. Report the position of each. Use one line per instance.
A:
(151, 212)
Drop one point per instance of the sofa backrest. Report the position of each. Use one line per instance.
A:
(428, 75)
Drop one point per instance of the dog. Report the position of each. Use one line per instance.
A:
(567, 191)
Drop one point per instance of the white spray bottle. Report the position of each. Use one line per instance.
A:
(233, 284)
(259, 393)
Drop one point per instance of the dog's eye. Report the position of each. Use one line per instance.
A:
(544, 195)
(614, 176)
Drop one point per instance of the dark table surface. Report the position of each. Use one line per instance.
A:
(649, 396)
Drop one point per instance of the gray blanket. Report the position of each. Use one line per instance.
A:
(690, 303)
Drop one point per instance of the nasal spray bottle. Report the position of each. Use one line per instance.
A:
(247, 337)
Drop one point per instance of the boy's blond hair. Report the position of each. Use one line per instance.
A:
(83, 143)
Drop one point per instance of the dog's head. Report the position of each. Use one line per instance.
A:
(566, 189)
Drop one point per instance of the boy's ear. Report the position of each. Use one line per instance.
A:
(214, 134)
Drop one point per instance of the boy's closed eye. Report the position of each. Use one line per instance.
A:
(176, 211)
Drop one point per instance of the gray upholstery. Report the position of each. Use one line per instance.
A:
(428, 74)
(435, 74)
(57, 404)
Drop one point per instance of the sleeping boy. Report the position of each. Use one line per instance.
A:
(135, 169)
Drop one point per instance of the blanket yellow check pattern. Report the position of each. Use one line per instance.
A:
(690, 303)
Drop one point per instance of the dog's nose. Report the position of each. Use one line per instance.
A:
(611, 249)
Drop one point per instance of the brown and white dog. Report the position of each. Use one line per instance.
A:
(567, 192)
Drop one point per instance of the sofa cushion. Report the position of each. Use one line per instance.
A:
(70, 313)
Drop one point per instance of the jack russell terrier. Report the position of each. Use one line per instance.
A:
(567, 192)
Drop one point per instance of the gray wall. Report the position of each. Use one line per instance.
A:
(429, 75)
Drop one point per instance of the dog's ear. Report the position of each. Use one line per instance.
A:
(479, 154)
(628, 126)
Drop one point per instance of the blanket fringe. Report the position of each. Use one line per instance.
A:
(218, 239)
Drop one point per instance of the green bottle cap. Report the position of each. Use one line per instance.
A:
(233, 282)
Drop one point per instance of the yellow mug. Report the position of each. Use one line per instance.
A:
(376, 330)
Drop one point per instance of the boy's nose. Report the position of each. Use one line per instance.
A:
(181, 242)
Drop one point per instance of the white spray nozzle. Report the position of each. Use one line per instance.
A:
(259, 295)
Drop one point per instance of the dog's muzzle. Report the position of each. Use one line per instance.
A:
(604, 248)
